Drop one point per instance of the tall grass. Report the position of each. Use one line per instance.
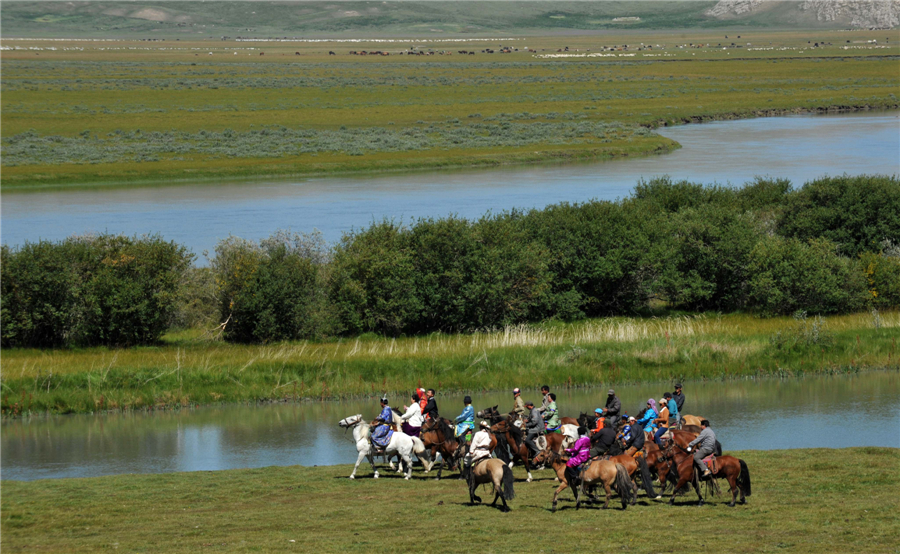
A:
(590, 353)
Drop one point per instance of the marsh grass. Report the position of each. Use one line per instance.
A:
(811, 500)
(186, 370)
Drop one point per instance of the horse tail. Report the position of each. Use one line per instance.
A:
(507, 483)
(646, 478)
(418, 445)
(622, 485)
(744, 478)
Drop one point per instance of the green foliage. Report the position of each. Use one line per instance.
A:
(804, 335)
(708, 257)
(882, 272)
(275, 290)
(93, 290)
(788, 275)
(667, 196)
(374, 280)
(857, 213)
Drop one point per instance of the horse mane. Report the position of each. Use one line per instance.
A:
(441, 425)
(396, 410)
(516, 433)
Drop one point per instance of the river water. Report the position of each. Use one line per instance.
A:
(833, 412)
(799, 148)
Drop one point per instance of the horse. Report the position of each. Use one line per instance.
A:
(441, 438)
(611, 475)
(734, 470)
(691, 420)
(634, 466)
(516, 443)
(400, 443)
(494, 471)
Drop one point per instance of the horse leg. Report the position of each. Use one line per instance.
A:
(732, 482)
(362, 454)
(562, 486)
(608, 494)
(407, 459)
(634, 488)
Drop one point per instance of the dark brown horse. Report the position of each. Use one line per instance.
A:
(516, 441)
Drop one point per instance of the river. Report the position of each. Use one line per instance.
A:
(767, 414)
(799, 148)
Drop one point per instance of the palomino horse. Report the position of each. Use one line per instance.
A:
(734, 470)
(400, 443)
(611, 475)
(516, 444)
(494, 471)
(692, 420)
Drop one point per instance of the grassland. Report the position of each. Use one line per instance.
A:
(130, 111)
(815, 501)
(186, 371)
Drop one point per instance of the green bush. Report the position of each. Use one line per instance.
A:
(788, 275)
(882, 272)
(707, 258)
(94, 290)
(373, 283)
(39, 304)
(274, 290)
(857, 213)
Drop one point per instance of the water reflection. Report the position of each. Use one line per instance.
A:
(768, 414)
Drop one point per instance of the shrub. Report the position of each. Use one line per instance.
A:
(707, 258)
(373, 280)
(857, 213)
(274, 290)
(93, 290)
(882, 273)
(788, 275)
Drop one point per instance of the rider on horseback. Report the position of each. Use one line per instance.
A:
(706, 442)
(481, 443)
(465, 422)
(635, 443)
(519, 408)
(602, 441)
(534, 427)
(578, 454)
(381, 436)
(412, 418)
(551, 415)
(430, 410)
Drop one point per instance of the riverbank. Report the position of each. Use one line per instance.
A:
(186, 371)
(815, 500)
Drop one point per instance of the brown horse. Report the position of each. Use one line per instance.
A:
(635, 466)
(734, 470)
(438, 435)
(495, 472)
(611, 475)
(692, 420)
(516, 443)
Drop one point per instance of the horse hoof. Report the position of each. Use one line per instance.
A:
(511, 465)
(406, 478)
(658, 497)
(352, 477)
(376, 476)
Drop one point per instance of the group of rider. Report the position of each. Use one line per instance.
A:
(612, 427)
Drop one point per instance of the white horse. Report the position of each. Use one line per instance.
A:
(401, 444)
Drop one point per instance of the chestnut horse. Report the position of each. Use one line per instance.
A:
(440, 438)
(734, 470)
(516, 444)
(611, 475)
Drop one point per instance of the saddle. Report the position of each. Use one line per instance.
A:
(711, 463)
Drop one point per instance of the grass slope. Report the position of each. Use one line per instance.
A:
(816, 501)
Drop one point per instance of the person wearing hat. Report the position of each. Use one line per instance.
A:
(382, 434)
(411, 420)
(705, 445)
(634, 442)
(465, 422)
(673, 409)
(579, 453)
(545, 403)
(534, 427)
(601, 421)
(519, 408)
(613, 407)
(679, 398)
(481, 443)
(662, 421)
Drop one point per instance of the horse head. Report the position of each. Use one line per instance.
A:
(351, 421)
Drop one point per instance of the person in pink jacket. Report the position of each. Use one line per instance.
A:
(578, 454)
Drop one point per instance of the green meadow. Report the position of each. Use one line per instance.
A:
(807, 500)
(127, 112)
(190, 369)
